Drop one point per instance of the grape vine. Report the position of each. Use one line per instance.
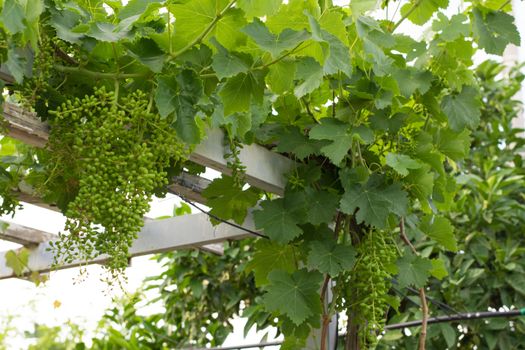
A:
(373, 120)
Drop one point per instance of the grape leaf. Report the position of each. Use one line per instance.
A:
(462, 109)
(411, 80)
(259, 8)
(494, 30)
(281, 76)
(193, 17)
(439, 269)
(274, 44)
(279, 223)
(137, 7)
(359, 7)
(331, 258)
(310, 73)
(228, 63)
(293, 141)
(440, 230)
(16, 64)
(178, 95)
(12, 16)
(148, 53)
(452, 28)
(338, 133)
(374, 202)
(17, 260)
(420, 11)
(401, 163)
(295, 295)
(453, 145)
(270, 256)
(239, 91)
(227, 201)
(337, 54)
(413, 270)
(320, 206)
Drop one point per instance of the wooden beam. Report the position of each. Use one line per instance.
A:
(25, 236)
(157, 236)
(264, 169)
(189, 186)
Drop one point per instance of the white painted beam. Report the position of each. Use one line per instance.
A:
(157, 236)
(25, 236)
(264, 169)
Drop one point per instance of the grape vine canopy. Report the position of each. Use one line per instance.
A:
(374, 120)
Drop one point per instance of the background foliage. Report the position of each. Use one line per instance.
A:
(378, 124)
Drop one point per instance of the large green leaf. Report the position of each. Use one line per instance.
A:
(401, 163)
(240, 91)
(17, 260)
(453, 28)
(274, 44)
(277, 221)
(295, 295)
(321, 206)
(441, 230)
(420, 11)
(228, 64)
(494, 30)
(281, 76)
(462, 109)
(227, 201)
(413, 270)
(359, 7)
(12, 16)
(310, 75)
(177, 96)
(259, 8)
(336, 132)
(271, 256)
(296, 142)
(331, 258)
(374, 202)
(194, 17)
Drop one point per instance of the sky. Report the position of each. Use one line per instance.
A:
(66, 298)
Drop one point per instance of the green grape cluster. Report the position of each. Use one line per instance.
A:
(42, 72)
(365, 293)
(119, 153)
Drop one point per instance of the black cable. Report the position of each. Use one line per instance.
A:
(458, 317)
(213, 216)
(440, 304)
(438, 319)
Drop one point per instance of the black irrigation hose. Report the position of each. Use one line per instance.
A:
(255, 233)
(439, 319)
(458, 317)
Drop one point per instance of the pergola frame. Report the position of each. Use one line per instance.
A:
(265, 170)
(193, 230)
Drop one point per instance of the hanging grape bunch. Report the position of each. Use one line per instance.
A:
(118, 152)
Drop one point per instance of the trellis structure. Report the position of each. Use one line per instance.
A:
(156, 236)
(264, 169)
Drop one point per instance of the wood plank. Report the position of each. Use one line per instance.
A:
(157, 236)
(264, 169)
(26, 236)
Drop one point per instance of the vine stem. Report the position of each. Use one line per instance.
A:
(504, 4)
(97, 75)
(405, 16)
(326, 313)
(422, 294)
(206, 30)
